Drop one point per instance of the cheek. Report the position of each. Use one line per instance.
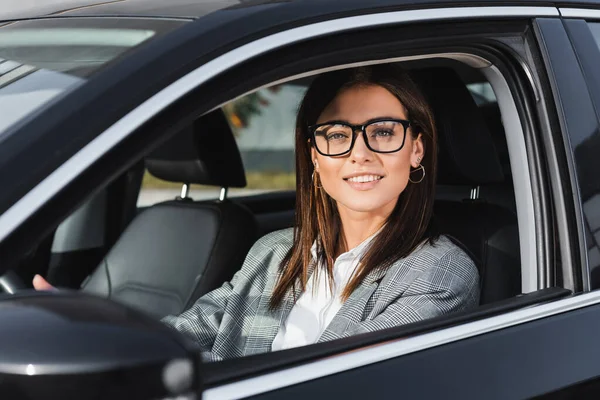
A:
(398, 170)
(330, 170)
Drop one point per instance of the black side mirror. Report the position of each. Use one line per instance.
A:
(69, 345)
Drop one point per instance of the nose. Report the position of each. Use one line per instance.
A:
(360, 152)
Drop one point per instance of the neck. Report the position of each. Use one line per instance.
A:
(359, 226)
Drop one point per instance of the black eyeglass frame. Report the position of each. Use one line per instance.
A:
(363, 128)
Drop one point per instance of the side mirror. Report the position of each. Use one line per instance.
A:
(64, 345)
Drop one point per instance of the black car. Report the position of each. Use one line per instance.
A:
(145, 145)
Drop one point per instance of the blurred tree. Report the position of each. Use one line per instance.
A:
(240, 111)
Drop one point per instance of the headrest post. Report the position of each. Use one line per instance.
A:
(223, 194)
(475, 193)
(185, 191)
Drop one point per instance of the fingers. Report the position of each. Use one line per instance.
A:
(39, 283)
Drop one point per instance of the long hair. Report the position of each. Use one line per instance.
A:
(317, 218)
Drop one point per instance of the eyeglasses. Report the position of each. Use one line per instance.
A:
(337, 138)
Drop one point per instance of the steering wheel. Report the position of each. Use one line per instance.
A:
(11, 283)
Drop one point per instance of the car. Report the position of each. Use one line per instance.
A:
(145, 145)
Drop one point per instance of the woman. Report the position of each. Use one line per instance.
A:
(361, 256)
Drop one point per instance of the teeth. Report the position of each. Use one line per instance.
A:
(364, 178)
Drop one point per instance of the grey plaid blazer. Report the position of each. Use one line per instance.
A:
(234, 320)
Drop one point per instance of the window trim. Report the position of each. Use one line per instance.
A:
(519, 161)
(584, 13)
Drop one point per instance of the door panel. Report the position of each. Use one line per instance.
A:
(586, 41)
(518, 362)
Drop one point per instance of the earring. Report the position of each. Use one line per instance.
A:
(315, 182)
(420, 167)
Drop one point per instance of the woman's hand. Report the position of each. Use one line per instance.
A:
(39, 283)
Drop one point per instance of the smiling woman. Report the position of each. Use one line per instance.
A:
(362, 255)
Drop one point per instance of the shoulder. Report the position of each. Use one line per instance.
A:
(442, 258)
(266, 255)
(277, 242)
(283, 237)
(445, 252)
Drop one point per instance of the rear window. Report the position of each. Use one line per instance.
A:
(43, 59)
(264, 124)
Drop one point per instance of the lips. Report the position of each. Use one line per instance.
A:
(363, 182)
(364, 178)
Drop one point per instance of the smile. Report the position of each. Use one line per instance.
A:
(364, 178)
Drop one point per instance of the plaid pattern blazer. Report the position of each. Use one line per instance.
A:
(234, 320)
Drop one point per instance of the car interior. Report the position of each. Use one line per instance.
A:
(161, 258)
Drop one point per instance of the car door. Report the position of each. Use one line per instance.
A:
(525, 346)
(547, 350)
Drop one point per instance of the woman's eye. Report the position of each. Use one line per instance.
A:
(383, 132)
(337, 136)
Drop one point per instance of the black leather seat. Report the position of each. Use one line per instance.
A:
(468, 161)
(174, 252)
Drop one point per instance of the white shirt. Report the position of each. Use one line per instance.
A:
(317, 306)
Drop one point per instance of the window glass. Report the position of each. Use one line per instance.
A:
(482, 92)
(42, 59)
(263, 124)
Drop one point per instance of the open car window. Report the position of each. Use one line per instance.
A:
(263, 123)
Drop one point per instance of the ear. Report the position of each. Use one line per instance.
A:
(313, 158)
(418, 151)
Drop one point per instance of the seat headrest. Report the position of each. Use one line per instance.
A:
(467, 154)
(205, 153)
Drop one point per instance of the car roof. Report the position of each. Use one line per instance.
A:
(17, 9)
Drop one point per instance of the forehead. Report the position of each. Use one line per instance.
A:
(358, 104)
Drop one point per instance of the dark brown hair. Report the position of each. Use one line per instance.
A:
(317, 217)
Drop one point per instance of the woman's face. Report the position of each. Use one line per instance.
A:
(343, 177)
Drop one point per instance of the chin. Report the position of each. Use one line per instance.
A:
(366, 205)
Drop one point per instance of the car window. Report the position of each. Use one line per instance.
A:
(42, 59)
(482, 92)
(263, 125)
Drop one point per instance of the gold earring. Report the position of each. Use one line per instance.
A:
(420, 167)
(315, 182)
